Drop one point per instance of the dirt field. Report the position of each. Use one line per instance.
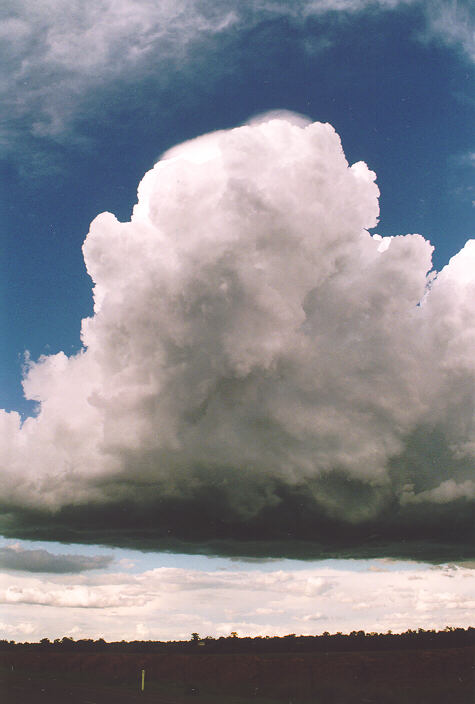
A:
(393, 677)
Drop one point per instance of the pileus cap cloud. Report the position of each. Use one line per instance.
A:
(258, 366)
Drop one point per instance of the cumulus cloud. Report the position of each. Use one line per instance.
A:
(13, 557)
(76, 596)
(260, 376)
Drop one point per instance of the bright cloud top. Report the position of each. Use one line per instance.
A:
(258, 365)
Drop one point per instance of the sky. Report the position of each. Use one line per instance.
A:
(237, 310)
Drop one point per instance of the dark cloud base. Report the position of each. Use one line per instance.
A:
(294, 527)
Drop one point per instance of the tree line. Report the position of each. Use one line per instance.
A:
(421, 639)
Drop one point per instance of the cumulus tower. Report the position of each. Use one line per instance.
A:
(258, 365)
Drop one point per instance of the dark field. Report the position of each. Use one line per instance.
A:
(440, 676)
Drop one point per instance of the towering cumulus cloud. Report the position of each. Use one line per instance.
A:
(260, 375)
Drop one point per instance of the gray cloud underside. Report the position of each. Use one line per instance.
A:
(261, 376)
(296, 529)
(15, 558)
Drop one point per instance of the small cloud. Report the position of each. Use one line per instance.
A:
(14, 557)
(311, 617)
(265, 611)
(72, 596)
(291, 117)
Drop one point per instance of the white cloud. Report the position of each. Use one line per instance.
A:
(56, 54)
(454, 22)
(158, 604)
(70, 597)
(17, 631)
(250, 334)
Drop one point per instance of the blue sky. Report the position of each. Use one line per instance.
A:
(93, 95)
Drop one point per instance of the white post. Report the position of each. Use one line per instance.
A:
(143, 680)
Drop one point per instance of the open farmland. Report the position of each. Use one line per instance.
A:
(391, 677)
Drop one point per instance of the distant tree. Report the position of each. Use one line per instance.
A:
(195, 637)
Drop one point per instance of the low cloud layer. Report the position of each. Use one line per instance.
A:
(13, 557)
(169, 603)
(261, 376)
